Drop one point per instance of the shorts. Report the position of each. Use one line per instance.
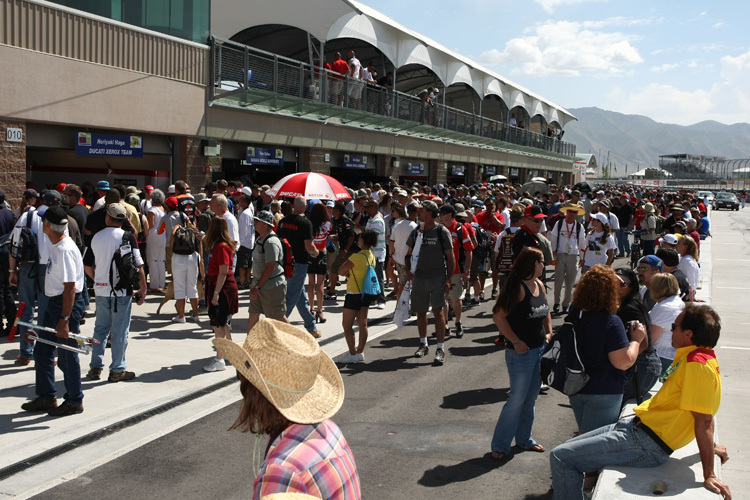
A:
(185, 276)
(271, 302)
(219, 315)
(244, 257)
(478, 266)
(355, 89)
(331, 261)
(319, 264)
(401, 271)
(356, 301)
(457, 287)
(337, 87)
(426, 293)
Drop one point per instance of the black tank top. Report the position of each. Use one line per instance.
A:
(527, 318)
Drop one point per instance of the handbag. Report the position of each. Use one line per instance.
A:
(561, 366)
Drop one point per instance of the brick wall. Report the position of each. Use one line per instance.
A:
(192, 164)
(315, 161)
(12, 164)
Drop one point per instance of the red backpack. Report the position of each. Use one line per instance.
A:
(287, 257)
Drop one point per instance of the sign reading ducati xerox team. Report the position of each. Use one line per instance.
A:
(89, 144)
(355, 161)
(265, 156)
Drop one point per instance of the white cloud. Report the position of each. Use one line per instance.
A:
(727, 100)
(664, 67)
(551, 5)
(719, 25)
(565, 48)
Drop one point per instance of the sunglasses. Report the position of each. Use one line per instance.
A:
(624, 284)
(675, 326)
(643, 269)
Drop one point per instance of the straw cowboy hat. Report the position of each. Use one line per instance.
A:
(288, 367)
(570, 206)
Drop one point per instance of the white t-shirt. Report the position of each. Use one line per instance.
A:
(663, 314)
(104, 244)
(355, 68)
(65, 266)
(377, 224)
(247, 227)
(399, 235)
(690, 268)
(598, 255)
(233, 226)
(43, 243)
(98, 204)
(614, 222)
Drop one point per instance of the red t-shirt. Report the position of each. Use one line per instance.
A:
(466, 234)
(340, 66)
(486, 222)
(222, 255)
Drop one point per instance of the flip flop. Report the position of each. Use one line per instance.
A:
(537, 448)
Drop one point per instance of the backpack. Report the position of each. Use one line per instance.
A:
(287, 257)
(183, 239)
(371, 288)
(561, 366)
(659, 223)
(558, 226)
(24, 249)
(505, 253)
(129, 275)
(5, 243)
(484, 242)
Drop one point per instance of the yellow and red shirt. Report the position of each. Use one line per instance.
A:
(693, 385)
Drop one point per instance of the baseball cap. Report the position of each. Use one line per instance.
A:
(600, 217)
(246, 191)
(170, 189)
(102, 186)
(51, 197)
(670, 239)
(330, 203)
(653, 261)
(430, 206)
(61, 187)
(199, 197)
(149, 188)
(534, 212)
(117, 211)
(30, 193)
(265, 217)
(55, 215)
(448, 209)
(171, 202)
(461, 210)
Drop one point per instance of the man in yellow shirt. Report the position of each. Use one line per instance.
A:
(682, 410)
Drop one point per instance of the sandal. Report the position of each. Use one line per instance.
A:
(537, 448)
(498, 455)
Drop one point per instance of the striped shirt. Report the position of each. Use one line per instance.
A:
(309, 458)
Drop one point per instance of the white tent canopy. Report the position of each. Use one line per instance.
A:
(332, 19)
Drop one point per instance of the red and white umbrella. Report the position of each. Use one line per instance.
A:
(311, 185)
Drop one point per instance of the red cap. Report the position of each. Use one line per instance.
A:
(534, 212)
(61, 187)
(149, 188)
(172, 202)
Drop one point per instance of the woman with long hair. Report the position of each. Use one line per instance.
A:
(688, 250)
(187, 265)
(665, 290)
(221, 287)
(156, 252)
(356, 305)
(600, 245)
(604, 348)
(290, 391)
(642, 376)
(318, 267)
(521, 313)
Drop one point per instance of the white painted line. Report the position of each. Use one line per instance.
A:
(735, 348)
(735, 260)
(732, 288)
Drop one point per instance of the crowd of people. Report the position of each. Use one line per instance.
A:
(440, 243)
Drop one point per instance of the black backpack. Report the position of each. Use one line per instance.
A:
(24, 249)
(184, 238)
(129, 276)
(484, 242)
(5, 242)
(561, 366)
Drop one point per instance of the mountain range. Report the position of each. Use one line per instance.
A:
(636, 141)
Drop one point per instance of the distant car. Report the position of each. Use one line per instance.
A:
(726, 200)
(705, 194)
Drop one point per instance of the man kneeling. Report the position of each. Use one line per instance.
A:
(683, 409)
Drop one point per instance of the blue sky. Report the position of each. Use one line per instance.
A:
(675, 61)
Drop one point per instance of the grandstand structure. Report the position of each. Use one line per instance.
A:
(704, 167)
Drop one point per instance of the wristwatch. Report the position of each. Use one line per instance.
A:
(65, 318)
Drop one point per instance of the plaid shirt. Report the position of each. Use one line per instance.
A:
(310, 458)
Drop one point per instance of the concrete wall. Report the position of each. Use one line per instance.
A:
(12, 163)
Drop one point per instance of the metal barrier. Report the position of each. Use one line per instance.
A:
(238, 67)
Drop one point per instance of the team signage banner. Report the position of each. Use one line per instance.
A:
(129, 146)
(355, 161)
(490, 170)
(416, 169)
(457, 170)
(264, 156)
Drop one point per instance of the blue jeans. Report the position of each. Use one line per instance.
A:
(295, 297)
(517, 415)
(30, 289)
(118, 324)
(623, 243)
(67, 361)
(620, 443)
(595, 410)
(649, 371)
(379, 274)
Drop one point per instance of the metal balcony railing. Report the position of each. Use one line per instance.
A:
(239, 68)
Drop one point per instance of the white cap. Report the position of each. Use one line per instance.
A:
(600, 217)
(170, 189)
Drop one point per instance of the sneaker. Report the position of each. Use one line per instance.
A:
(20, 360)
(422, 351)
(216, 365)
(316, 334)
(40, 405)
(475, 300)
(447, 331)
(94, 374)
(65, 410)
(177, 319)
(194, 319)
(459, 330)
(467, 299)
(120, 376)
(544, 388)
(381, 305)
(556, 308)
(439, 357)
(359, 358)
(494, 294)
(349, 358)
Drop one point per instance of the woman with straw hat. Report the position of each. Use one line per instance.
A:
(291, 388)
